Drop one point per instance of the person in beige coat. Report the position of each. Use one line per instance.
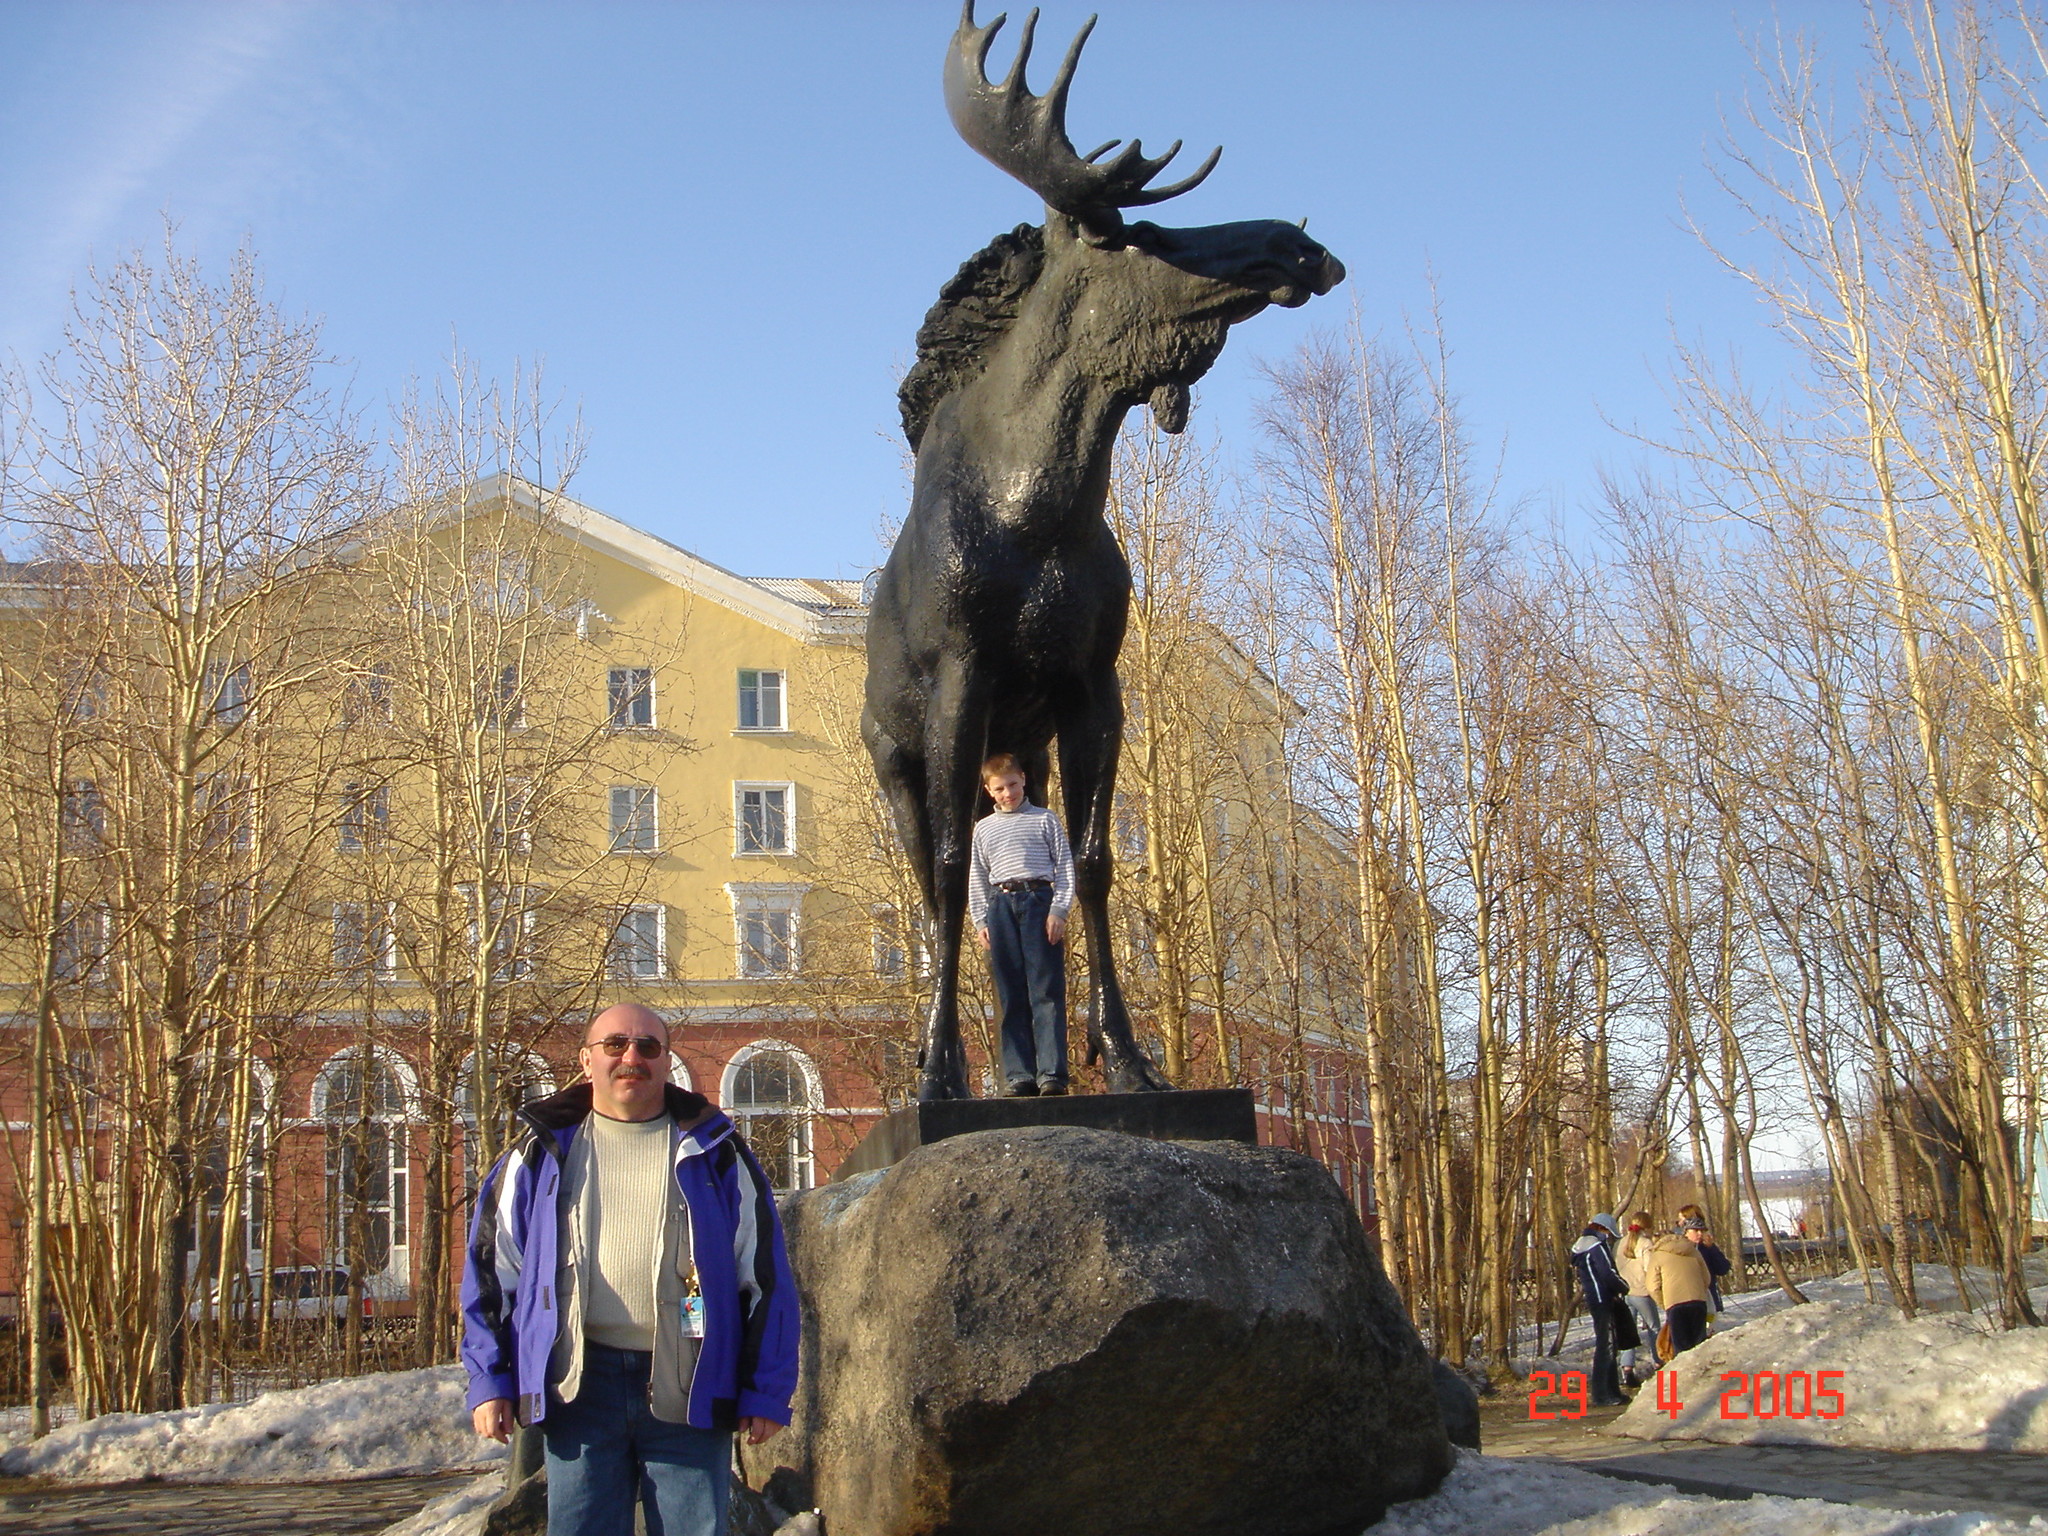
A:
(1629, 1256)
(1679, 1283)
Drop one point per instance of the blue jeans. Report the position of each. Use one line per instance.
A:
(607, 1452)
(1031, 987)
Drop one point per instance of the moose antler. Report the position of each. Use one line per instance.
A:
(1027, 135)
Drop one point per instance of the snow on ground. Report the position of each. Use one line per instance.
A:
(384, 1425)
(1500, 1496)
(1941, 1382)
(1509, 1497)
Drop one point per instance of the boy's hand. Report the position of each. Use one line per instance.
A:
(982, 935)
(1055, 928)
(493, 1420)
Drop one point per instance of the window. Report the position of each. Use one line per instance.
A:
(81, 940)
(223, 801)
(630, 691)
(518, 1077)
(507, 828)
(765, 928)
(639, 943)
(506, 929)
(365, 812)
(634, 821)
(227, 691)
(767, 944)
(763, 818)
(83, 815)
(761, 701)
(892, 943)
(361, 1097)
(367, 700)
(770, 1097)
(891, 962)
(501, 704)
(365, 940)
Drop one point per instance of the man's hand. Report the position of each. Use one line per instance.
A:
(1055, 928)
(493, 1420)
(982, 935)
(759, 1431)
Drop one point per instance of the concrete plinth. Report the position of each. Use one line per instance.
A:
(1201, 1114)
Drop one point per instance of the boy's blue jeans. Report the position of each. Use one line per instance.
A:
(1031, 987)
(607, 1452)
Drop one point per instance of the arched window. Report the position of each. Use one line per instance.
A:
(364, 1098)
(679, 1074)
(522, 1077)
(204, 1250)
(771, 1092)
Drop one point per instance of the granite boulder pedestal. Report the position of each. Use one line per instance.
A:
(1050, 1330)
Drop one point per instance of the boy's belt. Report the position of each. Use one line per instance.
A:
(1014, 886)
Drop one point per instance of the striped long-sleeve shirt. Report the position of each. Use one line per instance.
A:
(1025, 844)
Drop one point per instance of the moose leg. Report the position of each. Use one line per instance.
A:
(956, 729)
(1090, 735)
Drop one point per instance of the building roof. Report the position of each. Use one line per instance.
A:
(813, 609)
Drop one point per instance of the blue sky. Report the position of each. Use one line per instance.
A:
(719, 225)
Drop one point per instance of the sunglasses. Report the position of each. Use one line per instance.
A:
(615, 1045)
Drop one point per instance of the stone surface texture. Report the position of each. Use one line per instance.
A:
(1073, 1331)
(1458, 1400)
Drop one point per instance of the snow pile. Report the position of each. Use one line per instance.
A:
(460, 1513)
(1507, 1497)
(384, 1425)
(1934, 1383)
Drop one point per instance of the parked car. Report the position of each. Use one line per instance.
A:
(296, 1290)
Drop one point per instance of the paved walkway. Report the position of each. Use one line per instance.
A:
(218, 1509)
(2007, 1483)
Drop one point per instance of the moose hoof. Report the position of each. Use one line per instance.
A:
(1134, 1074)
(933, 1086)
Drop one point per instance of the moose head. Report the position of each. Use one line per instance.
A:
(1175, 292)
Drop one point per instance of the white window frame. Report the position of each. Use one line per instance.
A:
(621, 720)
(757, 898)
(621, 960)
(741, 690)
(379, 944)
(802, 1156)
(395, 1133)
(641, 822)
(365, 817)
(518, 963)
(227, 691)
(740, 790)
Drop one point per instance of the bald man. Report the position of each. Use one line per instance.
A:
(627, 1290)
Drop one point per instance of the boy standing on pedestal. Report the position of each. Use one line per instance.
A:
(1020, 885)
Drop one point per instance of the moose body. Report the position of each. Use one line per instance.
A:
(996, 623)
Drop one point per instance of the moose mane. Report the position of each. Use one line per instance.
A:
(976, 307)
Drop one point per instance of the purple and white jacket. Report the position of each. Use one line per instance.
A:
(746, 1362)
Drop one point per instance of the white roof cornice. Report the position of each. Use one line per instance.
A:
(607, 535)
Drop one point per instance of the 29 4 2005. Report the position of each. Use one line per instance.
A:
(1744, 1395)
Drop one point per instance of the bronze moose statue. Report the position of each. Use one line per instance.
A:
(996, 623)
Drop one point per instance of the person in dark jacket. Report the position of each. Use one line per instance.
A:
(1606, 1298)
(627, 1290)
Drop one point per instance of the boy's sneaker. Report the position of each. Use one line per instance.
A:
(1027, 1089)
(1052, 1090)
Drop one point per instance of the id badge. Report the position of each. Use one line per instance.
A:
(693, 1316)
